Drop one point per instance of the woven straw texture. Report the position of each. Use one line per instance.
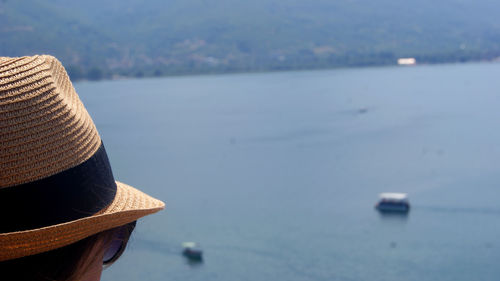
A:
(45, 129)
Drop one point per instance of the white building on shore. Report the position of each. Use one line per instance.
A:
(407, 61)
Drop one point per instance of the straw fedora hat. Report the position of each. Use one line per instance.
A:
(56, 184)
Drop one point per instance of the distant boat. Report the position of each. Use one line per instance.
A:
(393, 202)
(192, 251)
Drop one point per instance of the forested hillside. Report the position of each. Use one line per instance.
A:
(99, 39)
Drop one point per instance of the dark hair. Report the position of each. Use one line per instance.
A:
(63, 264)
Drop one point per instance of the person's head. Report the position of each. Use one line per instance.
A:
(62, 214)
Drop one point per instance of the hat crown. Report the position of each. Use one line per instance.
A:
(44, 127)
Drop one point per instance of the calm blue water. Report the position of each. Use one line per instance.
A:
(276, 174)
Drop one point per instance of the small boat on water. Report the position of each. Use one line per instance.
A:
(393, 202)
(192, 251)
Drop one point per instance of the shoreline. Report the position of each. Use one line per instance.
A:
(118, 77)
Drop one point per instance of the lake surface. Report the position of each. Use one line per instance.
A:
(276, 174)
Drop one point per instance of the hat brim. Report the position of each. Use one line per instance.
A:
(128, 205)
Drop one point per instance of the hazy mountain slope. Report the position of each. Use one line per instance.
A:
(268, 24)
(181, 35)
(28, 27)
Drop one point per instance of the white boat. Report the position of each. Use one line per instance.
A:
(393, 202)
(192, 251)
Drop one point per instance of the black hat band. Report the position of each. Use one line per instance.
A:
(72, 194)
